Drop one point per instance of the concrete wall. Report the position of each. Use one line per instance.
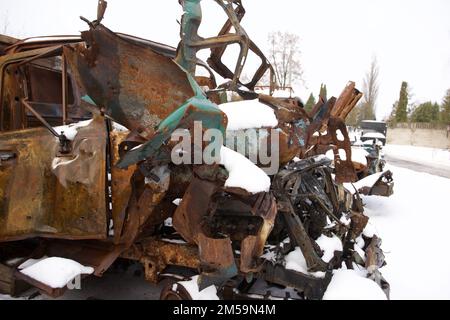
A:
(433, 138)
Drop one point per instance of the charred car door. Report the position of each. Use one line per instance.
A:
(50, 185)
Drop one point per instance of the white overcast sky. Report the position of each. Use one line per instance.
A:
(410, 38)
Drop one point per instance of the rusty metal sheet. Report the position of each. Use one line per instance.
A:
(137, 87)
(62, 197)
(384, 186)
(157, 254)
(346, 101)
(120, 184)
(319, 143)
(145, 197)
(217, 260)
(252, 247)
(194, 206)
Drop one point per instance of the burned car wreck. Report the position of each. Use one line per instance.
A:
(87, 170)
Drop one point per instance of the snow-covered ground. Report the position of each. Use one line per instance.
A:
(413, 224)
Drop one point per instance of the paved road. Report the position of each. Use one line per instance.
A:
(436, 170)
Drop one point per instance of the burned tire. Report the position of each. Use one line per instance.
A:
(174, 291)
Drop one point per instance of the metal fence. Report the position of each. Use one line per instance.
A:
(419, 125)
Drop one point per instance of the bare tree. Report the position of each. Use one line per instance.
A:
(284, 54)
(370, 90)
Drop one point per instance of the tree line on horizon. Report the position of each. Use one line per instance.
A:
(284, 54)
(427, 112)
(403, 110)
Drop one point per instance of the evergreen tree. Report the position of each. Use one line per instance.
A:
(445, 112)
(392, 119)
(310, 103)
(323, 91)
(435, 112)
(353, 117)
(401, 113)
(426, 112)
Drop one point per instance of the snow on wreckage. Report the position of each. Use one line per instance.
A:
(238, 232)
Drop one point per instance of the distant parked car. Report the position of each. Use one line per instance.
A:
(374, 130)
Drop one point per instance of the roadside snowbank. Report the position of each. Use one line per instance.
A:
(413, 225)
(419, 154)
(349, 285)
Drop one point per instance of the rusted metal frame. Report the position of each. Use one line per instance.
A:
(2, 113)
(346, 101)
(65, 144)
(332, 191)
(40, 118)
(308, 164)
(382, 187)
(240, 37)
(252, 246)
(157, 254)
(108, 172)
(284, 111)
(19, 60)
(345, 171)
(311, 287)
(218, 41)
(225, 40)
(320, 116)
(17, 114)
(52, 292)
(215, 62)
(216, 53)
(234, 15)
(3, 67)
(39, 56)
(240, 12)
(39, 45)
(374, 261)
(101, 8)
(343, 99)
(64, 88)
(347, 250)
(350, 106)
(294, 225)
(333, 214)
(217, 262)
(98, 254)
(299, 236)
(299, 180)
(330, 213)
